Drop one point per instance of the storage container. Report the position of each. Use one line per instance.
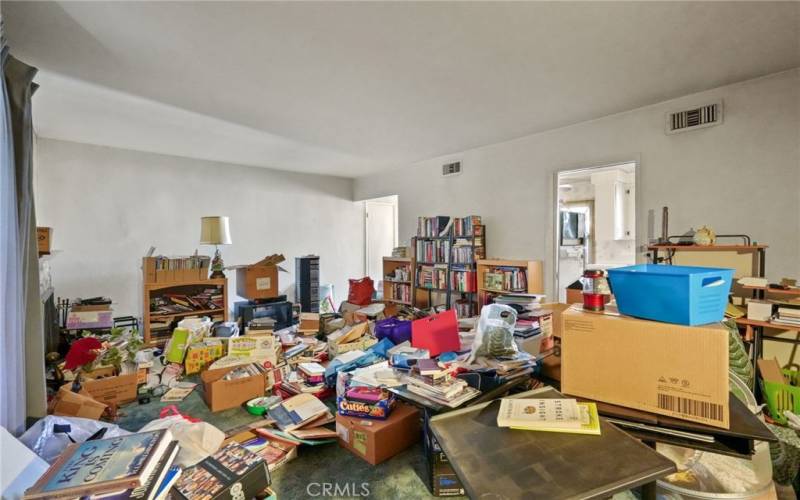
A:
(782, 397)
(685, 295)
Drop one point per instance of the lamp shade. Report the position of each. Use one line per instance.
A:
(215, 231)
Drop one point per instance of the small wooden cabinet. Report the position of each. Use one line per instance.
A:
(158, 326)
(531, 269)
(397, 282)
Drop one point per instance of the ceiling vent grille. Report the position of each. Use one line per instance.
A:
(449, 169)
(691, 119)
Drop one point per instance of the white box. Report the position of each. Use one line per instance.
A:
(759, 310)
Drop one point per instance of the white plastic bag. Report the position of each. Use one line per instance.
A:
(197, 440)
(52, 434)
(495, 335)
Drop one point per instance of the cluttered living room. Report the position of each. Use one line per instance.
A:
(400, 250)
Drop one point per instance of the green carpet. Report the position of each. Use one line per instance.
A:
(403, 476)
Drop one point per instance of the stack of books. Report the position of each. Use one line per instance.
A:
(506, 279)
(509, 367)
(465, 226)
(463, 280)
(136, 466)
(275, 450)
(433, 227)
(787, 315)
(432, 276)
(525, 301)
(312, 373)
(549, 415)
(428, 380)
(433, 251)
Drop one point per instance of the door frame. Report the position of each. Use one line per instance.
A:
(556, 215)
(384, 200)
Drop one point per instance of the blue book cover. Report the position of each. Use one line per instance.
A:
(100, 466)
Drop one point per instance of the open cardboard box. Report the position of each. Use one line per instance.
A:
(71, 404)
(225, 394)
(259, 280)
(106, 386)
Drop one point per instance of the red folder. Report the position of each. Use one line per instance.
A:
(437, 333)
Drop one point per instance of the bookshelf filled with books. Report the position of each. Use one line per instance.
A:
(446, 252)
(502, 276)
(397, 285)
(183, 291)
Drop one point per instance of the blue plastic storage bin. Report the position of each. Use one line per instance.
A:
(685, 295)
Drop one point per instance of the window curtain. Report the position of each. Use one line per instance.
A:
(22, 389)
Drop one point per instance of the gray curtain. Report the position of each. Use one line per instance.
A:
(19, 88)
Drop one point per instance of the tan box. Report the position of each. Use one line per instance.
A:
(43, 238)
(759, 310)
(379, 440)
(70, 404)
(675, 370)
(225, 394)
(257, 282)
(108, 388)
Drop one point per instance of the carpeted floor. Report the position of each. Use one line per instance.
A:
(403, 476)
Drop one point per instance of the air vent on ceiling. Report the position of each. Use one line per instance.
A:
(453, 168)
(691, 119)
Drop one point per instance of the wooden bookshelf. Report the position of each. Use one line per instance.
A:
(390, 286)
(429, 296)
(533, 273)
(153, 290)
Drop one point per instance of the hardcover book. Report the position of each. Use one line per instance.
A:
(232, 473)
(102, 466)
(149, 490)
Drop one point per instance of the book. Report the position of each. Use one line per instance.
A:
(590, 422)
(275, 451)
(103, 466)
(149, 490)
(297, 411)
(539, 414)
(428, 367)
(171, 477)
(232, 472)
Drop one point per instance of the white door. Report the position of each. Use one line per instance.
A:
(381, 235)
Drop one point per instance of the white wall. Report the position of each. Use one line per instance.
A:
(739, 177)
(107, 206)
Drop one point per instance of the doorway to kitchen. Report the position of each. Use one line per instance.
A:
(595, 222)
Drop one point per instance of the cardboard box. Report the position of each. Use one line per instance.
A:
(259, 280)
(225, 394)
(309, 323)
(378, 440)
(70, 404)
(363, 343)
(663, 368)
(109, 388)
(43, 238)
(202, 354)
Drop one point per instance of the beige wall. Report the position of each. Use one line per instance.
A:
(739, 177)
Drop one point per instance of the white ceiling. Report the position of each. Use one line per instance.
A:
(353, 88)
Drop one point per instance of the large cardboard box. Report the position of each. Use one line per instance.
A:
(378, 440)
(102, 385)
(259, 280)
(225, 394)
(70, 404)
(663, 368)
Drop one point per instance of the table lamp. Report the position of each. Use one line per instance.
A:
(215, 231)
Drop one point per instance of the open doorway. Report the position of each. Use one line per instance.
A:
(595, 221)
(380, 236)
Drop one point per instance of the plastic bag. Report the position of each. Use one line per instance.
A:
(495, 335)
(52, 434)
(196, 439)
(396, 330)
